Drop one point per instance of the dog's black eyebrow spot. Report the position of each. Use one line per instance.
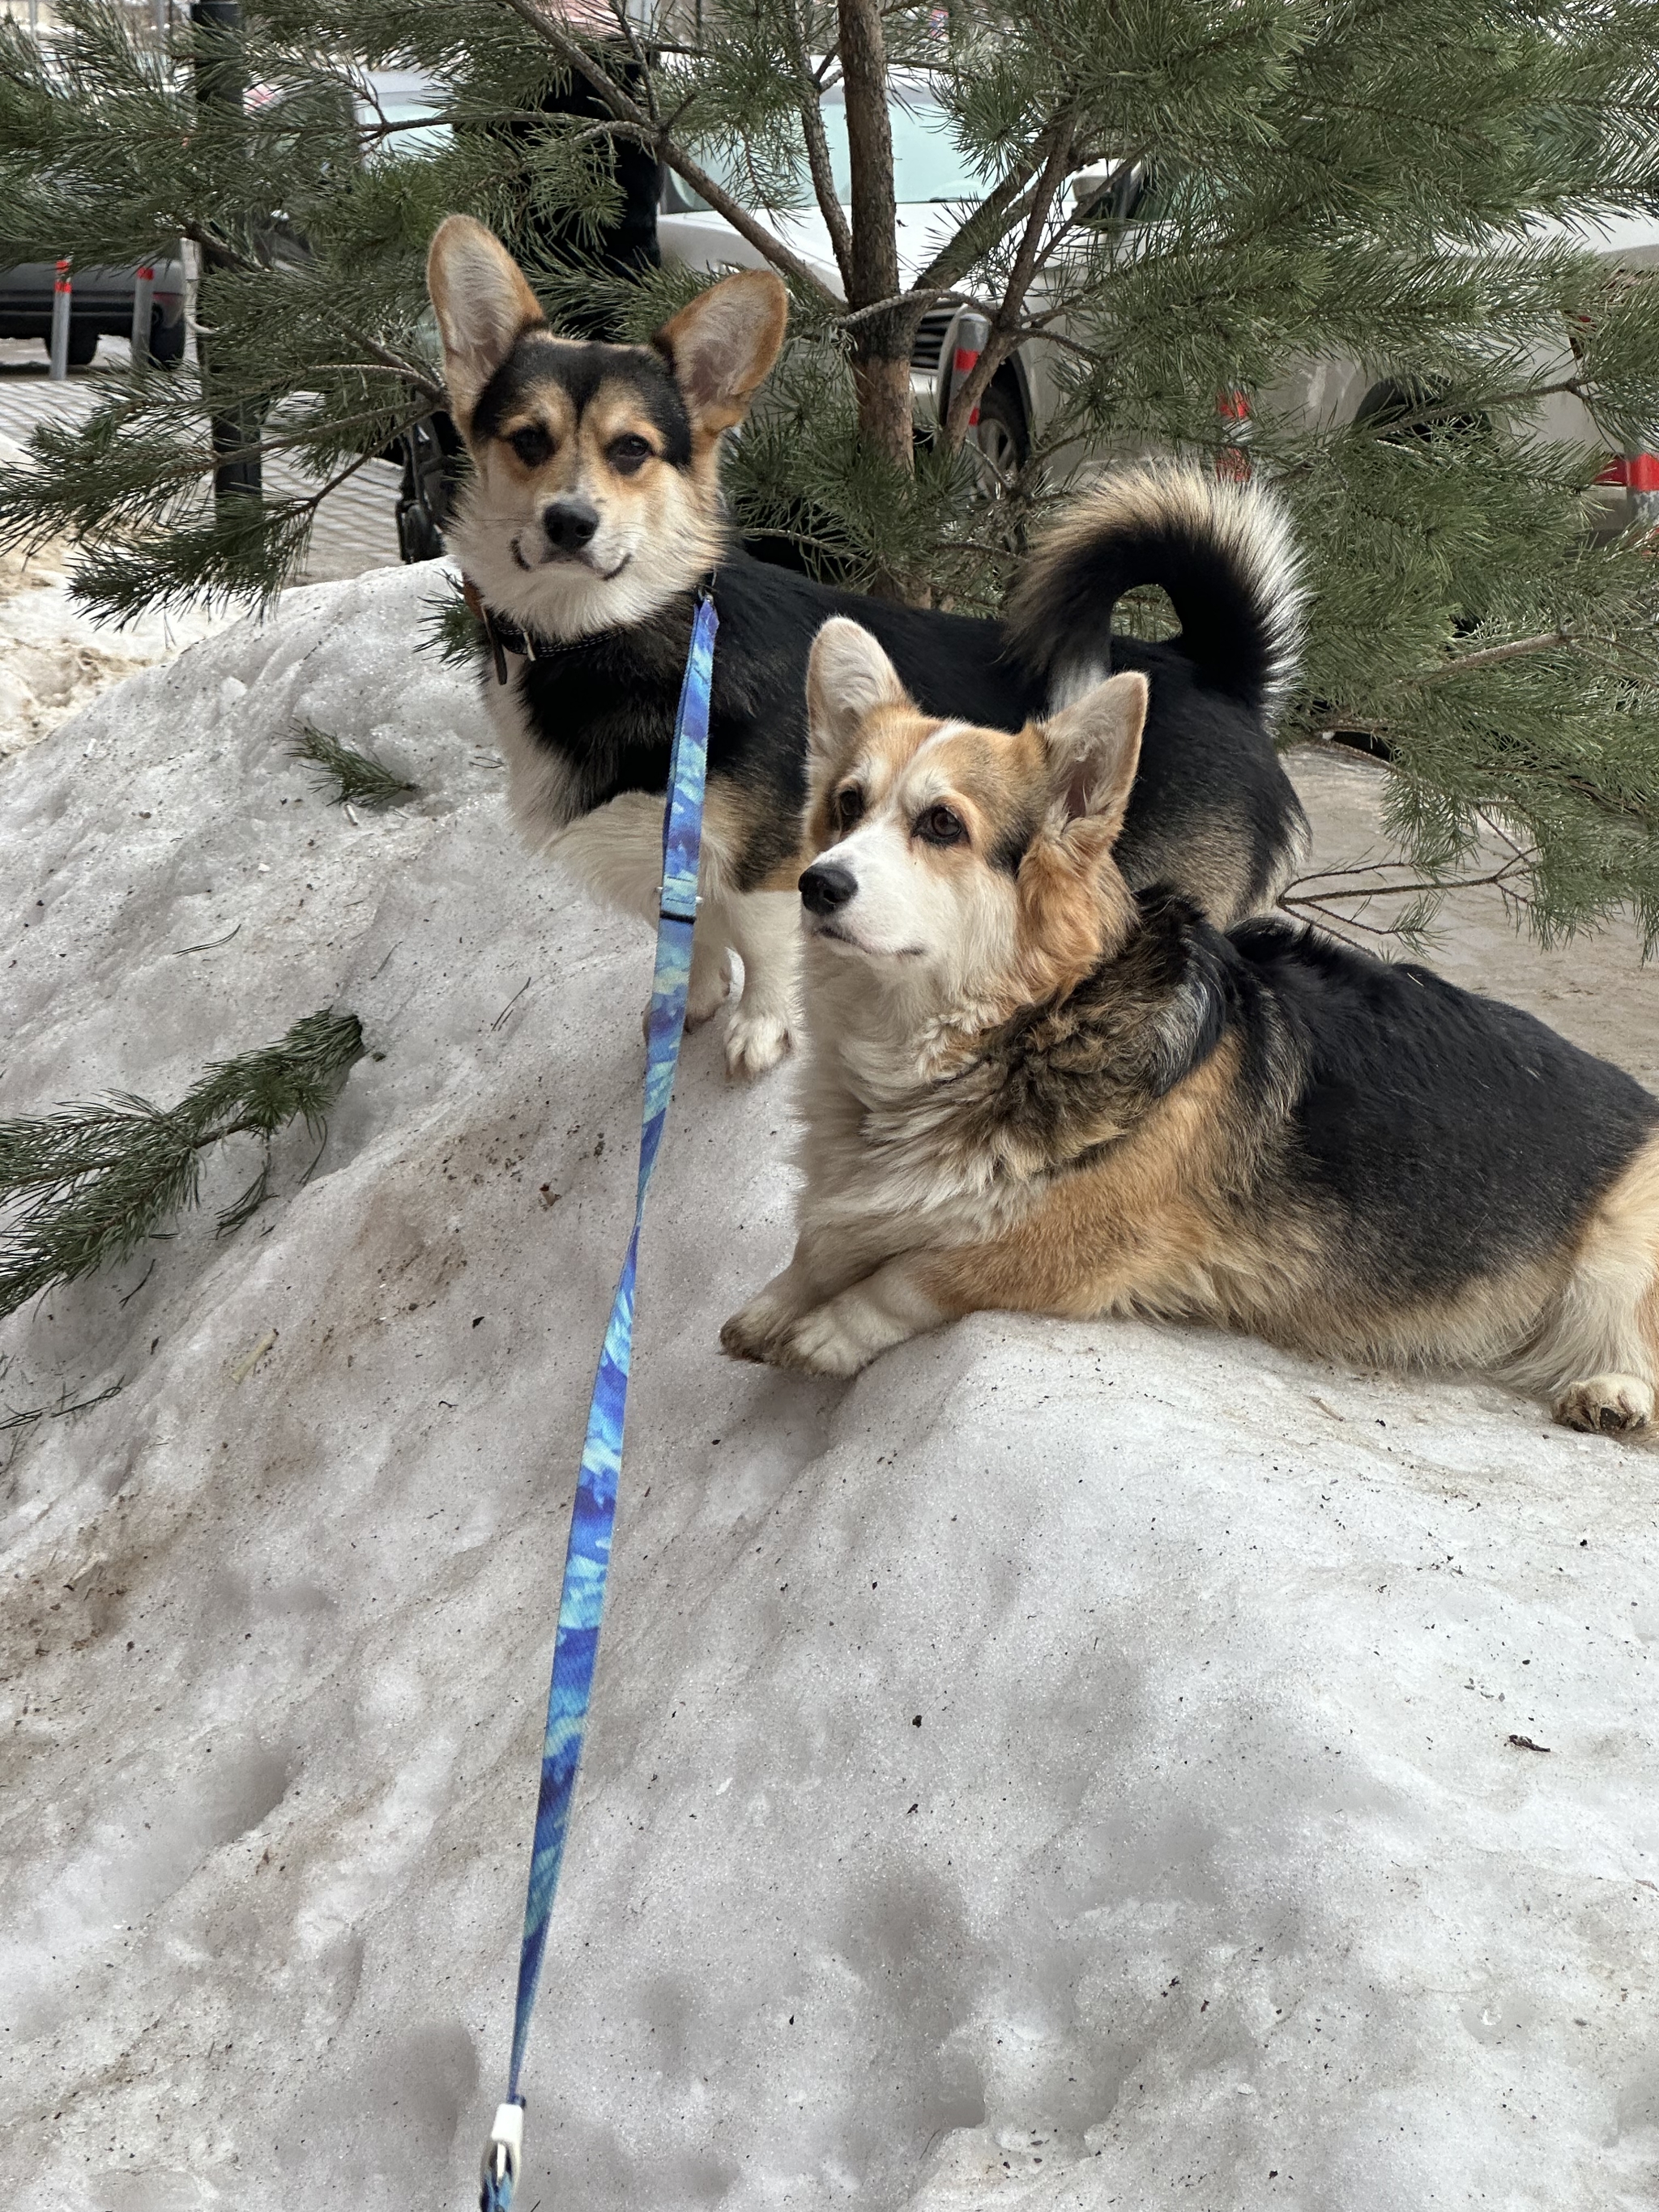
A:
(1011, 846)
(579, 368)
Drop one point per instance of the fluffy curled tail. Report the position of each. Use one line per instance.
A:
(1223, 552)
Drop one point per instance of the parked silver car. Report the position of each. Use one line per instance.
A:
(935, 183)
(100, 306)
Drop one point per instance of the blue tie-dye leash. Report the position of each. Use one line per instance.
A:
(587, 1555)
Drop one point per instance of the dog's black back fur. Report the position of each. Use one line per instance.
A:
(1452, 1131)
(606, 704)
(1441, 1134)
(1436, 1136)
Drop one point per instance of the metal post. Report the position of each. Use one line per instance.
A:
(62, 298)
(1232, 460)
(143, 302)
(966, 341)
(219, 82)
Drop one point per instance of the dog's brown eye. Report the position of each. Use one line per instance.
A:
(532, 446)
(848, 808)
(629, 454)
(941, 826)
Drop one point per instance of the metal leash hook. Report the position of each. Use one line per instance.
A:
(594, 1510)
(502, 2159)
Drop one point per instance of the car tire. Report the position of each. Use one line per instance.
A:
(83, 345)
(1001, 435)
(166, 341)
(419, 537)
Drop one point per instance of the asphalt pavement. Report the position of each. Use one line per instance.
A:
(355, 527)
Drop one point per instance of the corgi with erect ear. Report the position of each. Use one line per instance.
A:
(1032, 1088)
(594, 517)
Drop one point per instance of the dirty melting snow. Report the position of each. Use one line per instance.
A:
(1072, 1767)
(53, 657)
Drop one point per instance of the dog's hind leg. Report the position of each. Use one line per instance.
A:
(764, 928)
(1602, 1350)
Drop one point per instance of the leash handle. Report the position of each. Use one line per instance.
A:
(593, 1510)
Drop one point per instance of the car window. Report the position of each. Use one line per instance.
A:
(927, 165)
(404, 96)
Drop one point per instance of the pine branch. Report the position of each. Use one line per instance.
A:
(83, 1188)
(350, 778)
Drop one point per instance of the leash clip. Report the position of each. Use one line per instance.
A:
(503, 2153)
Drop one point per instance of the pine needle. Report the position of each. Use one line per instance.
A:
(351, 779)
(83, 1188)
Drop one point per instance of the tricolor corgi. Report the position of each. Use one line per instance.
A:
(594, 517)
(1032, 1085)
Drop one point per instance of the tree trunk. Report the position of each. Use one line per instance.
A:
(881, 350)
(220, 82)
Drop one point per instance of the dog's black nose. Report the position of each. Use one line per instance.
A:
(569, 523)
(827, 885)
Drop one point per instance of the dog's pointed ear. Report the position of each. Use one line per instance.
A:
(722, 345)
(848, 677)
(483, 304)
(1094, 750)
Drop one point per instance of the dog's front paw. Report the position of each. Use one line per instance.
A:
(756, 1041)
(751, 1334)
(823, 1344)
(1610, 1405)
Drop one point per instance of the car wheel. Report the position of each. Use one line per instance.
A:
(83, 345)
(419, 537)
(1398, 413)
(1000, 437)
(166, 341)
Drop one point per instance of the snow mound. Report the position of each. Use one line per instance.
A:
(53, 657)
(1071, 1767)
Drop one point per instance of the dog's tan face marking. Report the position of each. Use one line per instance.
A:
(980, 857)
(595, 492)
(586, 477)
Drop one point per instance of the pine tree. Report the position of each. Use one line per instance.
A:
(1384, 181)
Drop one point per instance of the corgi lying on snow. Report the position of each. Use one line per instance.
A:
(592, 517)
(1030, 1088)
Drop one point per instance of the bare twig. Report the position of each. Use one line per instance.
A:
(571, 51)
(625, 26)
(818, 157)
(1005, 324)
(1490, 653)
(1326, 907)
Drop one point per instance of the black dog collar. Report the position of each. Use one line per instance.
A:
(504, 636)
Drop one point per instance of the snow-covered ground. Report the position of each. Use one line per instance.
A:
(54, 660)
(1071, 1767)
